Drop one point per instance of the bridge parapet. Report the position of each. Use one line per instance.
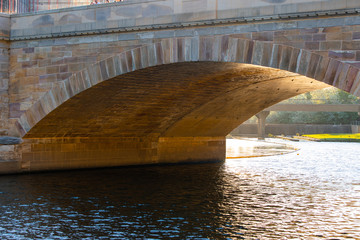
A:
(138, 15)
(4, 26)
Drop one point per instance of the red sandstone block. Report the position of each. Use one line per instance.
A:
(330, 45)
(331, 71)
(319, 37)
(321, 68)
(313, 64)
(341, 74)
(47, 78)
(52, 70)
(351, 45)
(355, 35)
(350, 78)
(143, 57)
(293, 59)
(129, 60)
(309, 30)
(276, 56)
(110, 66)
(336, 29)
(151, 53)
(29, 64)
(166, 48)
(263, 36)
(355, 88)
(224, 46)
(312, 45)
(342, 55)
(248, 51)
(286, 54)
(338, 36)
(136, 59)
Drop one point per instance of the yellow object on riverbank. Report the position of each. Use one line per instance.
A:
(336, 137)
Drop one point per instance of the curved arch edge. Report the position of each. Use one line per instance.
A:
(226, 48)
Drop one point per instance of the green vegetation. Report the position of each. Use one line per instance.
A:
(323, 96)
(336, 137)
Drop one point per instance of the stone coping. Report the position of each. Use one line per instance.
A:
(140, 15)
(4, 26)
(122, 26)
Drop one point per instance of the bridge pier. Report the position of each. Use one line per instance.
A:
(261, 116)
(4, 87)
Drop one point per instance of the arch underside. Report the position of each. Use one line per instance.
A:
(171, 101)
(171, 113)
(194, 99)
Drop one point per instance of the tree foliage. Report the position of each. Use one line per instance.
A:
(324, 96)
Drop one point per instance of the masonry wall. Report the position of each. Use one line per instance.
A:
(37, 66)
(71, 153)
(4, 85)
(4, 72)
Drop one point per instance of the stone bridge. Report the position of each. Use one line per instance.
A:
(161, 81)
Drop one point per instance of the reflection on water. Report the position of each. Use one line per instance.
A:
(310, 194)
(247, 147)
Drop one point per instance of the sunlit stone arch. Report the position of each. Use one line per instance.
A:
(245, 54)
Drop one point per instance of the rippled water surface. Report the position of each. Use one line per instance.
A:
(313, 193)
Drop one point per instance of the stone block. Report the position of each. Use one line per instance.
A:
(275, 56)
(350, 78)
(350, 45)
(136, 59)
(216, 49)
(110, 67)
(312, 65)
(260, 49)
(333, 36)
(205, 48)
(331, 71)
(341, 74)
(123, 63)
(167, 49)
(303, 62)
(312, 45)
(286, 54)
(143, 57)
(233, 49)
(355, 88)
(159, 54)
(331, 45)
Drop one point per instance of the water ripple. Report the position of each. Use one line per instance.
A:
(310, 194)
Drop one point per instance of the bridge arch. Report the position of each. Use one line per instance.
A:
(168, 102)
(261, 58)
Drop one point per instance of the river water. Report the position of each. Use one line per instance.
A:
(313, 193)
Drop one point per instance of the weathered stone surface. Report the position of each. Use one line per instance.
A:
(160, 95)
(140, 14)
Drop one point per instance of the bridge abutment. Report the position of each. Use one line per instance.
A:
(4, 87)
(4, 73)
(48, 154)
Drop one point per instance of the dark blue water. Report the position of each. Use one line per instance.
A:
(310, 194)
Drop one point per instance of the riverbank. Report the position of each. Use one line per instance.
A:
(334, 137)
